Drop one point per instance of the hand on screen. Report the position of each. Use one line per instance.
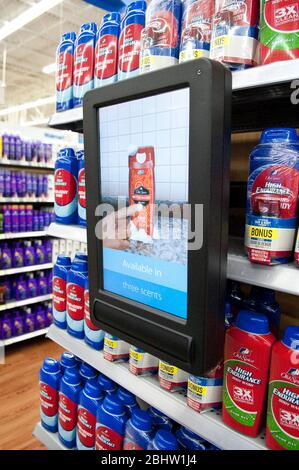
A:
(116, 228)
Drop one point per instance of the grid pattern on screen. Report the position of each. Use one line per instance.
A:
(161, 121)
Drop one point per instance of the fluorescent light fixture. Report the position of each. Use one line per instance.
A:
(27, 16)
(51, 68)
(28, 105)
(35, 122)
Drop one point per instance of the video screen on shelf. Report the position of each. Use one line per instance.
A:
(144, 160)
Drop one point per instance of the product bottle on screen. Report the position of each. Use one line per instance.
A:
(279, 30)
(283, 396)
(272, 197)
(49, 384)
(61, 268)
(141, 362)
(93, 336)
(90, 399)
(81, 189)
(129, 40)
(106, 50)
(139, 431)
(65, 187)
(70, 388)
(111, 424)
(76, 278)
(247, 355)
(196, 29)
(64, 72)
(235, 34)
(142, 192)
(160, 39)
(115, 349)
(172, 378)
(84, 62)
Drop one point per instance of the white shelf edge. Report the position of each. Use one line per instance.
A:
(69, 232)
(64, 117)
(26, 200)
(24, 164)
(208, 425)
(25, 269)
(49, 439)
(18, 339)
(13, 235)
(30, 301)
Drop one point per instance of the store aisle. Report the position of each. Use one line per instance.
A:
(19, 404)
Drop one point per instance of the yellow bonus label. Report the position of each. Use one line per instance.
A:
(266, 233)
(192, 54)
(111, 343)
(221, 41)
(168, 369)
(148, 60)
(137, 356)
(198, 389)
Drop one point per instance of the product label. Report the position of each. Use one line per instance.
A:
(86, 425)
(67, 412)
(106, 56)
(204, 392)
(75, 301)
(131, 445)
(171, 377)
(84, 63)
(129, 47)
(81, 188)
(64, 71)
(108, 439)
(59, 294)
(242, 387)
(65, 185)
(48, 399)
(115, 349)
(87, 312)
(283, 413)
(142, 362)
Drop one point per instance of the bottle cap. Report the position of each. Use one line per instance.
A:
(126, 397)
(142, 420)
(93, 390)
(291, 337)
(68, 360)
(51, 365)
(252, 322)
(72, 376)
(279, 135)
(165, 440)
(63, 260)
(113, 405)
(87, 371)
(106, 383)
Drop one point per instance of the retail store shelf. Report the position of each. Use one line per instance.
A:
(10, 236)
(209, 425)
(18, 339)
(69, 232)
(26, 200)
(21, 303)
(24, 164)
(67, 119)
(26, 269)
(283, 278)
(49, 439)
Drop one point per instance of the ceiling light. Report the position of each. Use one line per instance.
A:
(28, 105)
(51, 68)
(27, 16)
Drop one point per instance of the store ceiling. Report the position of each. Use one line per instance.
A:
(33, 47)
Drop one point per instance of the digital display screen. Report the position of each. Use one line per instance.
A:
(144, 160)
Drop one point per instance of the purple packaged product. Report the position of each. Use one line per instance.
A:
(17, 255)
(18, 143)
(34, 151)
(17, 324)
(84, 62)
(35, 221)
(49, 384)
(34, 184)
(7, 219)
(40, 318)
(39, 186)
(21, 183)
(29, 254)
(48, 153)
(7, 189)
(12, 148)
(48, 251)
(139, 431)
(21, 292)
(41, 226)
(2, 189)
(40, 151)
(90, 399)
(15, 219)
(29, 321)
(6, 326)
(39, 252)
(23, 149)
(69, 396)
(29, 218)
(29, 187)
(9, 291)
(64, 72)
(47, 218)
(160, 39)
(49, 315)
(5, 145)
(49, 277)
(28, 151)
(45, 186)
(66, 187)
(32, 286)
(6, 259)
(13, 184)
(42, 286)
(22, 219)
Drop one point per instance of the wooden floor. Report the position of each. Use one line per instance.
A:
(19, 394)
